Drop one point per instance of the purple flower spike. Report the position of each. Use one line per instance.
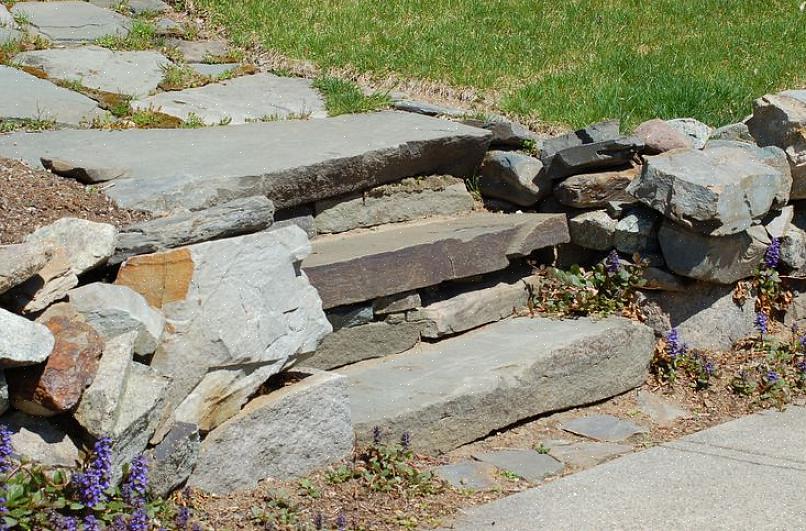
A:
(675, 346)
(405, 440)
(182, 518)
(761, 322)
(96, 479)
(6, 449)
(377, 435)
(136, 485)
(773, 254)
(773, 377)
(341, 522)
(801, 366)
(613, 262)
(91, 524)
(138, 521)
(318, 522)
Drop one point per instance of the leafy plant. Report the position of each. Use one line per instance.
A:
(673, 357)
(142, 36)
(610, 287)
(344, 97)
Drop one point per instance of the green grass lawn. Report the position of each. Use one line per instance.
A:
(563, 61)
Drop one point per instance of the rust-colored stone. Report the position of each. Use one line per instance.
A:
(160, 278)
(56, 385)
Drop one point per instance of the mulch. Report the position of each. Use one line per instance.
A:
(31, 198)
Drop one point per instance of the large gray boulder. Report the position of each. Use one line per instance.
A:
(282, 435)
(50, 284)
(235, 303)
(38, 99)
(593, 230)
(460, 389)
(722, 260)
(410, 199)
(114, 310)
(71, 21)
(23, 342)
(20, 262)
(213, 165)
(598, 132)
(694, 129)
(637, 232)
(133, 73)
(240, 216)
(241, 100)
(513, 177)
(40, 440)
(718, 191)
(88, 244)
(596, 190)
(173, 459)
(658, 137)
(780, 120)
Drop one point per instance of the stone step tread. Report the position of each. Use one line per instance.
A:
(453, 392)
(361, 265)
(291, 162)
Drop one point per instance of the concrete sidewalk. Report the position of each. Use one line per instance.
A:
(749, 473)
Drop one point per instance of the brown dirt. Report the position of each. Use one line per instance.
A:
(31, 198)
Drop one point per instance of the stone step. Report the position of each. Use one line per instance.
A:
(458, 390)
(362, 265)
(291, 162)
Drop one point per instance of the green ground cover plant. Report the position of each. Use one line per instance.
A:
(572, 62)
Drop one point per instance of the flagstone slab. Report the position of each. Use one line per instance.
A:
(259, 97)
(134, 73)
(72, 21)
(38, 99)
(291, 162)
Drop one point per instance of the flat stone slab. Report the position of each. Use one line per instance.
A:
(358, 343)
(527, 464)
(647, 490)
(291, 162)
(38, 99)
(200, 51)
(602, 428)
(587, 454)
(356, 267)
(661, 410)
(72, 21)
(134, 73)
(259, 97)
(453, 392)
(407, 200)
(469, 475)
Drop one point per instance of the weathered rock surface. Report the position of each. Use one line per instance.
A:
(637, 232)
(8, 35)
(208, 166)
(587, 454)
(4, 402)
(241, 100)
(506, 133)
(137, 7)
(23, 342)
(240, 216)
(213, 70)
(722, 260)
(661, 410)
(399, 302)
(793, 248)
(88, 244)
(56, 385)
(140, 410)
(72, 21)
(469, 475)
(372, 340)
(738, 132)
(358, 267)
(282, 435)
(605, 428)
(586, 158)
(527, 464)
(173, 459)
(6, 18)
(513, 177)
(42, 441)
(20, 262)
(462, 388)
(473, 308)
(658, 137)
(407, 200)
(777, 222)
(38, 99)
(49, 285)
(593, 230)
(697, 131)
(717, 191)
(100, 405)
(780, 120)
(595, 190)
(239, 302)
(349, 316)
(425, 108)
(135, 73)
(598, 132)
(706, 315)
(200, 51)
(114, 310)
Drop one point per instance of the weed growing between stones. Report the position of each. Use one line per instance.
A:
(27, 43)
(609, 288)
(143, 36)
(673, 357)
(37, 497)
(345, 97)
(772, 299)
(9, 125)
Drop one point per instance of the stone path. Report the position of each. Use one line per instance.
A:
(460, 389)
(749, 473)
